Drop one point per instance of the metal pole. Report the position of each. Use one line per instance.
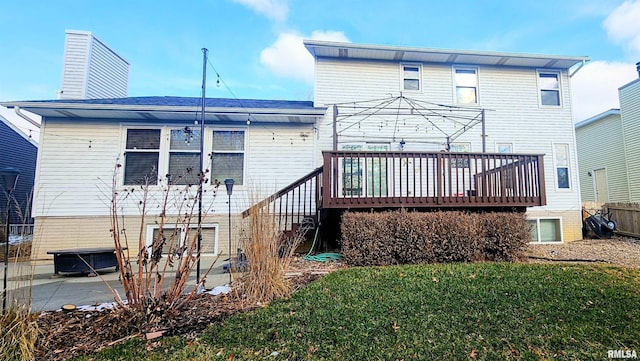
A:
(484, 135)
(201, 175)
(230, 239)
(6, 254)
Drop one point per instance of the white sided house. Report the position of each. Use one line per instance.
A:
(389, 128)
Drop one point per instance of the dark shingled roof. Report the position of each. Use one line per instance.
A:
(191, 102)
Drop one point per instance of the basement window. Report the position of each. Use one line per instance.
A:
(545, 230)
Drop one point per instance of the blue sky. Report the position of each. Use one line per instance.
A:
(255, 45)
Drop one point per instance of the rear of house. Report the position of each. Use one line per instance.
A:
(524, 100)
(391, 126)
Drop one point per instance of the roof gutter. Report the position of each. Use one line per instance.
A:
(578, 68)
(25, 117)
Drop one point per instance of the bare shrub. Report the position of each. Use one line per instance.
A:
(145, 269)
(506, 235)
(403, 237)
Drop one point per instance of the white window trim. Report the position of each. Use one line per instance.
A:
(555, 168)
(420, 78)
(209, 152)
(498, 144)
(165, 137)
(215, 226)
(537, 220)
(455, 93)
(539, 88)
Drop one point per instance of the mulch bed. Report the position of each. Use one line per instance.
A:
(69, 334)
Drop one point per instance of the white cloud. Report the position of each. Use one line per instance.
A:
(288, 57)
(273, 9)
(594, 89)
(623, 26)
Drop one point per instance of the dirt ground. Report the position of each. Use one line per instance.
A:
(619, 250)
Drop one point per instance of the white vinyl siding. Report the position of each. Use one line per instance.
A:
(515, 116)
(600, 144)
(91, 69)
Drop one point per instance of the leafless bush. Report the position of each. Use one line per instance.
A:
(145, 269)
(411, 237)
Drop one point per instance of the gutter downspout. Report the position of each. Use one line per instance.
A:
(25, 117)
(577, 69)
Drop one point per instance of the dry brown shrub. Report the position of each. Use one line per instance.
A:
(403, 237)
(18, 333)
(268, 254)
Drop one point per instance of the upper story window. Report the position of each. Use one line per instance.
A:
(142, 156)
(466, 83)
(227, 157)
(411, 76)
(549, 85)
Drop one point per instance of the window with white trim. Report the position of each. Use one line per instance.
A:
(142, 156)
(546, 230)
(184, 156)
(176, 239)
(549, 85)
(411, 75)
(227, 157)
(460, 148)
(466, 83)
(561, 163)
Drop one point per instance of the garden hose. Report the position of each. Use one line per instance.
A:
(320, 257)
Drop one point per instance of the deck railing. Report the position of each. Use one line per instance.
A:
(371, 179)
(293, 203)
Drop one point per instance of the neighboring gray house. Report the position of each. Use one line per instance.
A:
(19, 151)
(608, 147)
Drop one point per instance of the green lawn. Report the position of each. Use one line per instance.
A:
(491, 311)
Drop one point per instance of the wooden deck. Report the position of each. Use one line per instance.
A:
(366, 179)
(415, 180)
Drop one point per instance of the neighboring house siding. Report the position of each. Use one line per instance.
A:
(513, 115)
(91, 69)
(18, 151)
(630, 114)
(600, 146)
